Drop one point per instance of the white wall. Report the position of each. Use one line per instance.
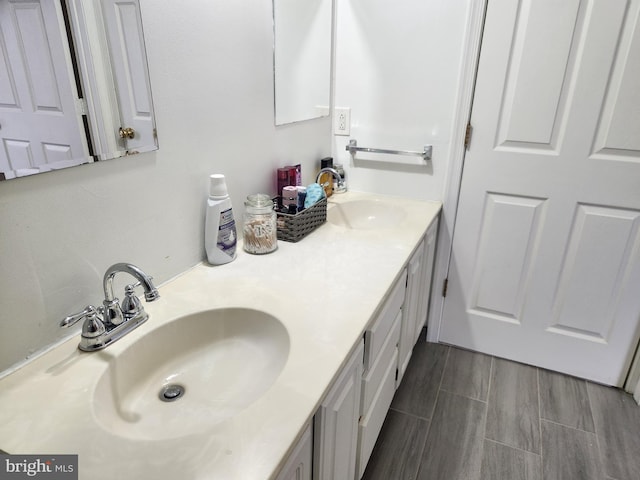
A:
(210, 63)
(398, 68)
(211, 74)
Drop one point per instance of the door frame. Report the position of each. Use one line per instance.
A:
(453, 177)
(96, 77)
(464, 102)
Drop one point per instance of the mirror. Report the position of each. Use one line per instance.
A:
(76, 86)
(302, 59)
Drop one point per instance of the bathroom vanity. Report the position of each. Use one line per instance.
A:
(289, 361)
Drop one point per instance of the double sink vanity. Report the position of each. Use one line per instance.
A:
(278, 366)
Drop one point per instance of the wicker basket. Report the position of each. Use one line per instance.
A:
(293, 228)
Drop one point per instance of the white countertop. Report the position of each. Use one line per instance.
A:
(324, 289)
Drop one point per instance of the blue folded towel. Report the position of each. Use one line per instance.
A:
(315, 193)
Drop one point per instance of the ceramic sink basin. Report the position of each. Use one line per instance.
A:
(215, 363)
(365, 214)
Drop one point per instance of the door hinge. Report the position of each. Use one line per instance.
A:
(467, 136)
(81, 106)
(445, 284)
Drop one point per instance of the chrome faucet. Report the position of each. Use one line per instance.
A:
(112, 320)
(340, 187)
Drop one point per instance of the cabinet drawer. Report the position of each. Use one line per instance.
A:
(372, 380)
(371, 423)
(376, 335)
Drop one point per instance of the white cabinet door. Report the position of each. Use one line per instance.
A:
(545, 264)
(416, 303)
(410, 310)
(299, 463)
(424, 295)
(336, 424)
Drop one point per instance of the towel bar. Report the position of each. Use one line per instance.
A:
(353, 147)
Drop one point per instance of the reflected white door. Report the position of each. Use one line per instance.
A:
(123, 23)
(546, 251)
(39, 123)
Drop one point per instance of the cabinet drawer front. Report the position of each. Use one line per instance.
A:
(371, 423)
(372, 380)
(376, 335)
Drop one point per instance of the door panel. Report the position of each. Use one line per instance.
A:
(508, 238)
(42, 85)
(545, 263)
(38, 119)
(599, 257)
(129, 61)
(618, 135)
(533, 95)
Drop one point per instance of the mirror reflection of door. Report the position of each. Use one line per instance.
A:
(40, 124)
(52, 52)
(123, 25)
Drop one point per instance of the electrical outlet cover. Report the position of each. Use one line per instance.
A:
(342, 121)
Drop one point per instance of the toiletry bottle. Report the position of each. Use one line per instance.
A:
(282, 179)
(220, 234)
(326, 179)
(289, 196)
(293, 175)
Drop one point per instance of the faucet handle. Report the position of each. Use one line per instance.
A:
(149, 296)
(76, 317)
(93, 326)
(131, 304)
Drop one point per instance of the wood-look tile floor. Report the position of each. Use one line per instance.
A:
(468, 416)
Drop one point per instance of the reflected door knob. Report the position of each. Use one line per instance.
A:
(127, 132)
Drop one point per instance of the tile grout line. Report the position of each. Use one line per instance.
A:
(595, 432)
(444, 369)
(464, 396)
(422, 447)
(540, 423)
(568, 426)
(409, 414)
(420, 451)
(512, 447)
(486, 414)
(433, 411)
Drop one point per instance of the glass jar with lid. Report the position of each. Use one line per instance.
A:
(260, 230)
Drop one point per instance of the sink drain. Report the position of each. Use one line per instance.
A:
(171, 393)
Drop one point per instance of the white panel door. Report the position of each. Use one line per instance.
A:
(39, 123)
(545, 266)
(123, 23)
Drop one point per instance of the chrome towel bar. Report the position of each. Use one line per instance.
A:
(353, 147)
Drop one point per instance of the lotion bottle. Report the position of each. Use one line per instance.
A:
(220, 236)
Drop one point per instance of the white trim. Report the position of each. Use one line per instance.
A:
(466, 82)
(632, 384)
(72, 83)
(96, 76)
